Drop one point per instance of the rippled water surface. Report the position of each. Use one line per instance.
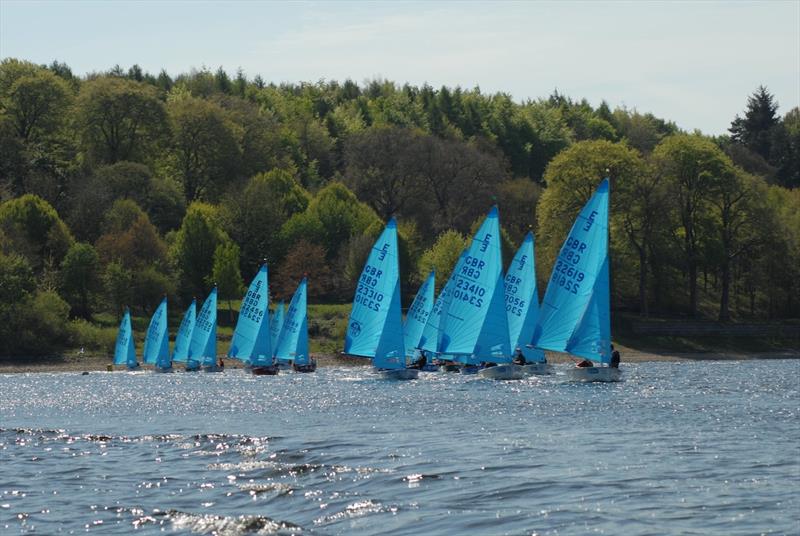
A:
(697, 448)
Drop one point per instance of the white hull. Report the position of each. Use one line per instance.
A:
(537, 369)
(502, 372)
(399, 374)
(594, 374)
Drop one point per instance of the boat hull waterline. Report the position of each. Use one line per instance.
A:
(502, 372)
(399, 374)
(594, 374)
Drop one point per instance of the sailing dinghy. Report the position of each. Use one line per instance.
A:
(180, 352)
(475, 325)
(375, 327)
(276, 320)
(292, 344)
(251, 341)
(522, 307)
(417, 318)
(203, 346)
(576, 311)
(156, 342)
(124, 350)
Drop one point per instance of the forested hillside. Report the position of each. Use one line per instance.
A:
(119, 187)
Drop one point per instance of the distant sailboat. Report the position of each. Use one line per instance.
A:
(276, 323)
(418, 314)
(203, 348)
(292, 344)
(125, 351)
(432, 334)
(375, 327)
(475, 321)
(576, 311)
(180, 353)
(522, 307)
(251, 339)
(156, 342)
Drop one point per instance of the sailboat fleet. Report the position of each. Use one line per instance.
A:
(256, 341)
(482, 322)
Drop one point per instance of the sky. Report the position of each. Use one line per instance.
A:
(694, 63)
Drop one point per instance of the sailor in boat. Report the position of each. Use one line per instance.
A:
(221, 364)
(519, 358)
(421, 361)
(614, 358)
(584, 363)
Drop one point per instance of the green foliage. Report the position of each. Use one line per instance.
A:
(333, 216)
(118, 290)
(195, 243)
(34, 230)
(442, 257)
(226, 272)
(119, 119)
(42, 325)
(90, 337)
(80, 278)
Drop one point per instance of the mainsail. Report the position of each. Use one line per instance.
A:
(522, 300)
(276, 323)
(293, 340)
(475, 322)
(418, 314)
(575, 315)
(183, 339)
(250, 341)
(156, 342)
(125, 351)
(432, 334)
(203, 347)
(375, 328)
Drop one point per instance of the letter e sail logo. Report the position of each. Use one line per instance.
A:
(355, 329)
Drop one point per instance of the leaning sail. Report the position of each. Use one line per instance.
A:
(156, 342)
(275, 324)
(575, 314)
(125, 351)
(293, 340)
(249, 337)
(522, 300)
(183, 339)
(475, 322)
(203, 347)
(375, 328)
(418, 314)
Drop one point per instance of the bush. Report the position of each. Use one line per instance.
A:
(83, 334)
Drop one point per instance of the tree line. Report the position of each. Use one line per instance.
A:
(121, 186)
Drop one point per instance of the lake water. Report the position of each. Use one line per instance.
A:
(678, 448)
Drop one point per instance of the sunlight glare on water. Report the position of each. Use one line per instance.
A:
(692, 448)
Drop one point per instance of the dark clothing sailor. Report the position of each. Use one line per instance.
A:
(519, 357)
(614, 358)
(421, 361)
(584, 364)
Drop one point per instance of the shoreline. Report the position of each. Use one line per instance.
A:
(80, 363)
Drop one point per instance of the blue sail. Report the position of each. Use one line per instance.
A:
(475, 322)
(125, 351)
(522, 300)
(276, 323)
(180, 352)
(575, 314)
(418, 314)
(249, 338)
(432, 334)
(293, 340)
(203, 348)
(156, 342)
(375, 328)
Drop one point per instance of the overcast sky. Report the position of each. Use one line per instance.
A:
(694, 63)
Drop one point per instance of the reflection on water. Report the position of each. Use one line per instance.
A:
(699, 448)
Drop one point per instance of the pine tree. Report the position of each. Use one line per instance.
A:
(754, 130)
